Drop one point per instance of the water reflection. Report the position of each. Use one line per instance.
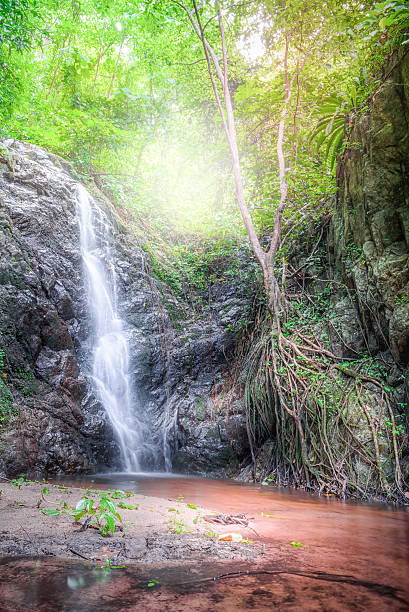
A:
(50, 585)
(370, 540)
(74, 582)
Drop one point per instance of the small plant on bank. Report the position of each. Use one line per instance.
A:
(19, 482)
(127, 506)
(114, 493)
(102, 515)
(109, 565)
(176, 524)
(268, 480)
(53, 511)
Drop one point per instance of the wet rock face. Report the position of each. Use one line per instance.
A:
(371, 226)
(54, 422)
(40, 312)
(180, 367)
(365, 268)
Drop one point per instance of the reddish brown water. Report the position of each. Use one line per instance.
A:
(353, 557)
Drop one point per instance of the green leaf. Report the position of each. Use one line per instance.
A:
(117, 516)
(127, 507)
(81, 505)
(333, 136)
(107, 503)
(336, 145)
(109, 519)
(51, 512)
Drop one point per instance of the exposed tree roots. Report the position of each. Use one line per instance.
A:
(332, 425)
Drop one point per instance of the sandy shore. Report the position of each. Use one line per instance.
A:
(154, 530)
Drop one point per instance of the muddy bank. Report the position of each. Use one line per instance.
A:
(153, 530)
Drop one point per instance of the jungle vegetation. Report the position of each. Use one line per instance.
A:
(194, 117)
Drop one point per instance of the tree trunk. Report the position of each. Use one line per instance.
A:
(116, 69)
(100, 54)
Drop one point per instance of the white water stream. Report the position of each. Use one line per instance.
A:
(110, 359)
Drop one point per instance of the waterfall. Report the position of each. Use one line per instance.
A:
(110, 350)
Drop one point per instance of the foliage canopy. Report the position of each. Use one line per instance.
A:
(121, 89)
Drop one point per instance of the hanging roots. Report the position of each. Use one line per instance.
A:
(331, 423)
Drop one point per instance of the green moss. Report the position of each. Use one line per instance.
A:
(7, 407)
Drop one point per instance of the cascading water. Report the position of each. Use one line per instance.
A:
(110, 362)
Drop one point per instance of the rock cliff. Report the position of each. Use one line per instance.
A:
(51, 420)
(370, 228)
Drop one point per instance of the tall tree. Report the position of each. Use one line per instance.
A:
(218, 69)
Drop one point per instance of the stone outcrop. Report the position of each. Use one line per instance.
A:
(52, 421)
(369, 245)
(371, 224)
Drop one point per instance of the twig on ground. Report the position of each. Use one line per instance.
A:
(75, 552)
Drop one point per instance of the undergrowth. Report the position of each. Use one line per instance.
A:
(190, 266)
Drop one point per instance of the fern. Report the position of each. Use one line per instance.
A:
(332, 126)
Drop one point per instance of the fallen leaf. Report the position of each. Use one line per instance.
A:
(297, 544)
(230, 537)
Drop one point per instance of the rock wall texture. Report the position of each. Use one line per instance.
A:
(51, 420)
(371, 225)
(369, 245)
